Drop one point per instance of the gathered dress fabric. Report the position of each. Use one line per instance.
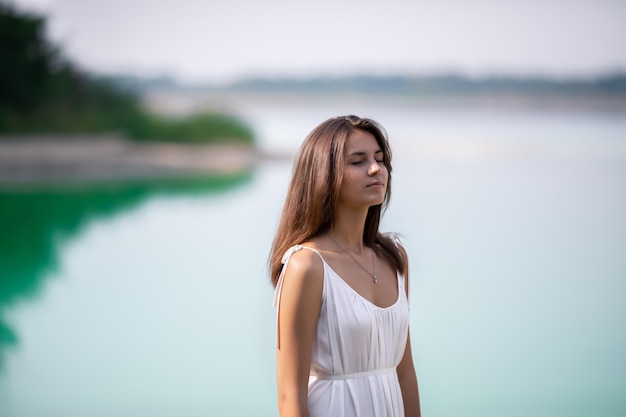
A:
(356, 348)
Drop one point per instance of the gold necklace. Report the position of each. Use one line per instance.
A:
(356, 262)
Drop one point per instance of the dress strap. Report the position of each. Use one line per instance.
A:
(279, 284)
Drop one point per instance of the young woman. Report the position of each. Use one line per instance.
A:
(343, 346)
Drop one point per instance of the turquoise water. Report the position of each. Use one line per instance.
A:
(146, 300)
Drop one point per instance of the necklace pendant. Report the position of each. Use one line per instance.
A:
(375, 280)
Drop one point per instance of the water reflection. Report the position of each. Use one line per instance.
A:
(35, 223)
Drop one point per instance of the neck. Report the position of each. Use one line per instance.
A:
(348, 230)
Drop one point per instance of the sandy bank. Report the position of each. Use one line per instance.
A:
(81, 158)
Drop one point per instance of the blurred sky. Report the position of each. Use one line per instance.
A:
(221, 41)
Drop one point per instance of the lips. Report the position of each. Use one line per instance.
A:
(376, 184)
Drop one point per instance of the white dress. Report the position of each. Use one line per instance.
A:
(356, 349)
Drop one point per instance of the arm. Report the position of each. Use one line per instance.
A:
(408, 383)
(406, 369)
(300, 306)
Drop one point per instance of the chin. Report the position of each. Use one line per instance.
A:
(376, 203)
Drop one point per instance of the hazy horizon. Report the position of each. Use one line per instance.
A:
(222, 42)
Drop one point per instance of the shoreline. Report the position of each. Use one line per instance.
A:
(44, 159)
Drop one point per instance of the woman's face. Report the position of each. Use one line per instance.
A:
(365, 175)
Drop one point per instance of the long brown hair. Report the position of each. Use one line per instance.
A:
(314, 187)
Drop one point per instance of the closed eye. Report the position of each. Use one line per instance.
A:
(361, 162)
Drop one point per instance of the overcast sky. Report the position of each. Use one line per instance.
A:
(218, 41)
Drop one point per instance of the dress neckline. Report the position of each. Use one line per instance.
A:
(349, 287)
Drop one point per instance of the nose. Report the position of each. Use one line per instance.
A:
(374, 168)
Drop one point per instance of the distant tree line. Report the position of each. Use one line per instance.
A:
(609, 85)
(41, 91)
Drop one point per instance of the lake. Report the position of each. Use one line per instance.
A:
(153, 299)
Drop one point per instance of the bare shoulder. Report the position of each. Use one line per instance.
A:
(302, 291)
(305, 269)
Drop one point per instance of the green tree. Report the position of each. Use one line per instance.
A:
(27, 60)
(41, 92)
